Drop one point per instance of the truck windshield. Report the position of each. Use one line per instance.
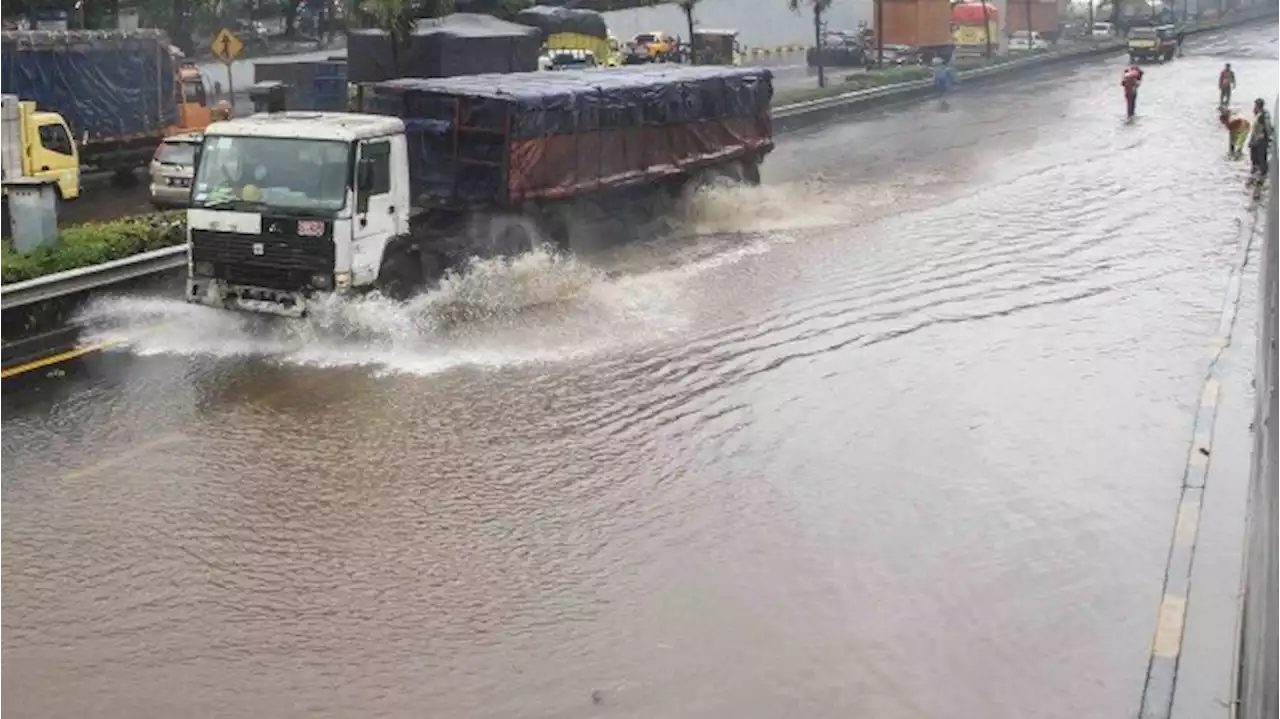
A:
(282, 173)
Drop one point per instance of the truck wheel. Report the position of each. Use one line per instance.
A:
(553, 223)
(431, 268)
(400, 274)
(510, 237)
(751, 171)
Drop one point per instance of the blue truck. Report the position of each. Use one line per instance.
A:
(117, 90)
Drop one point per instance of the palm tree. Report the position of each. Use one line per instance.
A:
(397, 18)
(819, 8)
(687, 7)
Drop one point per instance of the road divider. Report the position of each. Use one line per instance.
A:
(54, 288)
(759, 53)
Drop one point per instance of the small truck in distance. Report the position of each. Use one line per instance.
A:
(286, 206)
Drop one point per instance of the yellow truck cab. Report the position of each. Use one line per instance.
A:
(38, 145)
(658, 45)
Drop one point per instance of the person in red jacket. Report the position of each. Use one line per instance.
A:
(1130, 81)
(1226, 81)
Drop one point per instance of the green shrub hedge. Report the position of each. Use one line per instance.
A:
(93, 243)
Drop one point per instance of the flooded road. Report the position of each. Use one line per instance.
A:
(898, 434)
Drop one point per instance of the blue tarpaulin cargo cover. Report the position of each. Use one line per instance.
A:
(457, 44)
(545, 135)
(108, 85)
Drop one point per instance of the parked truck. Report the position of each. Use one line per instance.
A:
(565, 28)
(311, 84)
(117, 90)
(37, 145)
(924, 26)
(1043, 18)
(287, 206)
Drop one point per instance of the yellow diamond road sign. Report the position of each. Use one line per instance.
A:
(226, 46)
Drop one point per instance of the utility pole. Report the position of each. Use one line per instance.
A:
(818, 28)
(1031, 36)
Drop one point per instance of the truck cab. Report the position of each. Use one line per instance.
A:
(195, 111)
(1156, 43)
(289, 205)
(195, 102)
(39, 145)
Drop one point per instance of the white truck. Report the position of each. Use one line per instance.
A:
(289, 205)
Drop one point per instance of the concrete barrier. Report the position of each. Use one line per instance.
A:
(1256, 676)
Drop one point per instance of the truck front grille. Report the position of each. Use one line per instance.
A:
(277, 262)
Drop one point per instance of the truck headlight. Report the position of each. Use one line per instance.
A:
(342, 279)
(320, 282)
(202, 269)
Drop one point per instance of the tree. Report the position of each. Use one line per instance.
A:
(397, 18)
(819, 9)
(687, 7)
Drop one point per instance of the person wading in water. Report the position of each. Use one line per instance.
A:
(1130, 81)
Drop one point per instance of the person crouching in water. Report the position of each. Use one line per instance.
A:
(1130, 81)
(1237, 132)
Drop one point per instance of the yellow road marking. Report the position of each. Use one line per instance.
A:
(58, 358)
(1184, 532)
(1168, 641)
(1209, 397)
(80, 351)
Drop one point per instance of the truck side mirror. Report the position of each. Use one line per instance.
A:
(364, 180)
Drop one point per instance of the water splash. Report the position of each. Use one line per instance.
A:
(538, 306)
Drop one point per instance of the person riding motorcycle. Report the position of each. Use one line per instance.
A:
(1226, 82)
(1130, 81)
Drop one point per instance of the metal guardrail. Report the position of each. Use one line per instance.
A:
(84, 279)
(856, 97)
(98, 276)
